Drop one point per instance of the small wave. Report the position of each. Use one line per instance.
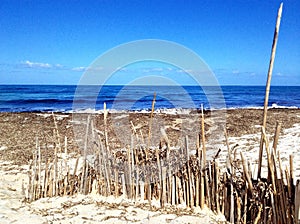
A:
(276, 106)
(273, 106)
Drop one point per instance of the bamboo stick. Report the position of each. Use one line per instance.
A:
(229, 166)
(142, 189)
(267, 92)
(34, 174)
(211, 178)
(192, 187)
(276, 136)
(297, 202)
(258, 215)
(198, 175)
(203, 162)
(203, 137)
(66, 145)
(238, 205)
(106, 168)
(231, 202)
(51, 183)
(246, 172)
(82, 178)
(274, 213)
(292, 170)
(184, 190)
(270, 163)
(282, 201)
(136, 159)
(46, 179)
(105, 114)
(130, 190)
(148, 188)
(159, 173)
(132, 167)
(207, 190)
(39, 169)
(180, 191)
(30, 187)
(85, 167)
(76, 165)
(150, 126)
(225, 209)
(66, 180)
(163, 196)
(123, 185)
(55, 172)
(288, 181)
(168, 180)
(202, 197)
(177, 189)
(187, 181)
(173, 190)
(197, 190)
(198, 146)
(116, 182)
(217, 171)
(265, 210)
(245, 206)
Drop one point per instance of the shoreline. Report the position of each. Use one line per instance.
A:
(157, 110)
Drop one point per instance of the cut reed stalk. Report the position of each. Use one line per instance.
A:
(46, 181)
(217, 170)
(202, 196)
(270, 162)
(39, 169)
(246, 173)
(159, 173)
(297, 201)
(123, 185)
(55, 179)
(106, 168)
(258, 215)
(245, 206)
(150, 126)
(128, 171)
(203, 137)
(105, 114)
(267, 92)
(163, 196)
(276, 136)
(231, 201)
(292, 170)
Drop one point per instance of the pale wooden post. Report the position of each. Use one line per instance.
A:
(271, 64)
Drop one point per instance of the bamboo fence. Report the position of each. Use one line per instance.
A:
(171, 176)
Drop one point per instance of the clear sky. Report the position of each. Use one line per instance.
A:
(52, 42)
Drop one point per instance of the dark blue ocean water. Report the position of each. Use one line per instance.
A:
(16, 98)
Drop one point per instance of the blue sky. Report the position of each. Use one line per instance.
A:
(53, 42)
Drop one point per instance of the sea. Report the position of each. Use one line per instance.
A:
(70, 98)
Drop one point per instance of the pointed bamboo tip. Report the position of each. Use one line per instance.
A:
(280, 8)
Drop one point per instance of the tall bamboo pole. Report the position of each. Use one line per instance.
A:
(274, 45)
